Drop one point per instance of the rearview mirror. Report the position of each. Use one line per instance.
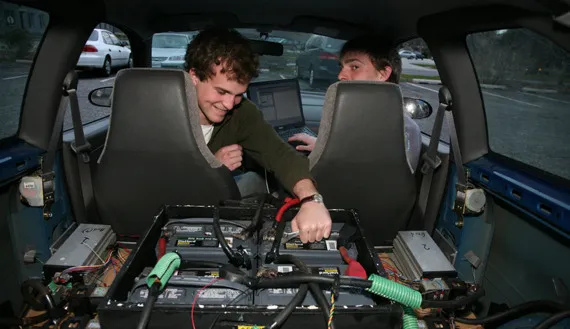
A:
(101, 96)
(417, 108)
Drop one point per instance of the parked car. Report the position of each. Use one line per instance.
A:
(319, 60)
(407, 54)
(104, 51)
(169, 49)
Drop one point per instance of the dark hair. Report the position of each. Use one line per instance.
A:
(381, 55)
(215, 46)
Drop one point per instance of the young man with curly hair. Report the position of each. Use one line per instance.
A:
(221, 64)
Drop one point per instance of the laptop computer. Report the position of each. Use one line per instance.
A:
(280, 103)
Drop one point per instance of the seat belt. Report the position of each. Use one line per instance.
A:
(431, 161)
(48, 160)
(80, 147)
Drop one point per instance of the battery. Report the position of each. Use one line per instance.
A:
(282, 296)
(184, 285)
(194, 239)
(324, 252)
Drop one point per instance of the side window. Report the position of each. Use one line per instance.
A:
(98, 65)
(525, 85)
(19, 39)
(115, 40)
(107, 38)
(420, 79)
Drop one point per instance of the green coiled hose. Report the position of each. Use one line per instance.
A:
(410, 320)
(395, 291)
(408, 297)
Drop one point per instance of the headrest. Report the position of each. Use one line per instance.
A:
(353, 110)
(155, 110)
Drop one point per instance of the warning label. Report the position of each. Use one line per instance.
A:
(216, 293)
(187, 229)
(203, 273)
(296, 244)
(168, 293)
(200, 241)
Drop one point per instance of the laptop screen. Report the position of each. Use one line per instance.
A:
(279, 101)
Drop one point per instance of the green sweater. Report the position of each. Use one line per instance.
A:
(244, 125)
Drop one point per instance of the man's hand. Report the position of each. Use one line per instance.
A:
(313, 222)
(306, 139)
(230, 156)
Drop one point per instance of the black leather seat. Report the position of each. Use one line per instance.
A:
(155, 152)
(359, 159)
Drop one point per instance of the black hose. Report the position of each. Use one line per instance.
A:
(43, 292)
(256, 222)
(553, 320)
(537, 306)
(185, 264)
(316, 291)
(273, 253)
(288, 310)
(293, 281)
(235, 258)
(153, 293)
(456, 303)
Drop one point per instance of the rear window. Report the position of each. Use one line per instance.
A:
(334, 44)
(94, 36)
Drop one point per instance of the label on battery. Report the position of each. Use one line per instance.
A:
(203, 273)
(249, 327)
(282, 291)
(168, 293)
(199, 241)
(187, 229)
(217, 293)
(325, 270)
(296, 244)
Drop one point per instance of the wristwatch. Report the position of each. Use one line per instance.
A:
(313, 198)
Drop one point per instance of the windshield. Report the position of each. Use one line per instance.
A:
(316, 69)
(169, 41)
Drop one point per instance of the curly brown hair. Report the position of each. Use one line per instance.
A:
(217, 45)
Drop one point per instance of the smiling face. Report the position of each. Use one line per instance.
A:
(217, 95)
(358, 66)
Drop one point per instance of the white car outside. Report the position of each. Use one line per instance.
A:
(169, 49)
(104, 51)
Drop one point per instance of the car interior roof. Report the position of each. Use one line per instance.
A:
(334, 18)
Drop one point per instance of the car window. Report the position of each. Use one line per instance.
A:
(20, 35)
(420, 79)
(92, 65)
(107, 38)
(169, 41)
(94, 36)
(115, 40)
(526, 92)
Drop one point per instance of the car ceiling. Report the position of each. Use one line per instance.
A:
(335, 18)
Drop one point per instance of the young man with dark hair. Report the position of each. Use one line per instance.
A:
(366, 58)
(221, 64)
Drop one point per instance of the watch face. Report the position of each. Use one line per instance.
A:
(318, 198)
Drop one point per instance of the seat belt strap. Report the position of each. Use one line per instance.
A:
(48, 160)
(431, 161)
(81, 148)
